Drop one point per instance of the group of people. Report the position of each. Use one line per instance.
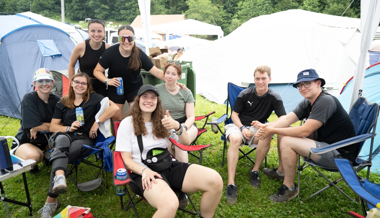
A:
(165, 111)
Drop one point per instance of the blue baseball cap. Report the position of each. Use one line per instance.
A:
(308, 75)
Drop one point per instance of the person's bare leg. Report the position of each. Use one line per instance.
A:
(262, 149)
(118, 114)
(233, 155)
(192, 133)
(29, 151)
(162, 197)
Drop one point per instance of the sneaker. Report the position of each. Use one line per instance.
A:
(49, 209)
(60, 186)
(182, 197)
(272, 173)
(284, 194)
(255, 179)
(231, 194)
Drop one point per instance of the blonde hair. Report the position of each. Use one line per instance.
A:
(262, 69)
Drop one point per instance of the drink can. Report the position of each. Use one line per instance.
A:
(214, 127)
(120, 89)
(120, 190)
(80, 115)
(121, 174)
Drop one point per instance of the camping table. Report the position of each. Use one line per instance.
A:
(18, 168)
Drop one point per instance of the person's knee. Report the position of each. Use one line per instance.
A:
(235, 140)
(214, 181)
(62, 142)
(285, 142)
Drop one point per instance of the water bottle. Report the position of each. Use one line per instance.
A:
(80, 115)
(120, 89)
(214, 127)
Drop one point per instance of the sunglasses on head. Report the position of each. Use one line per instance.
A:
(174, 62)
(126, 38)
(44, 81)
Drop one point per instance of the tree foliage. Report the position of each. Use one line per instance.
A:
(229, 14)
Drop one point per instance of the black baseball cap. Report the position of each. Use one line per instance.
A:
(145, 88)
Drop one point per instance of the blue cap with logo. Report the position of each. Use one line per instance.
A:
(308, 75)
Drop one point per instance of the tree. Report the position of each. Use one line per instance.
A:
(204, 10)
(337, 8)
(311, 5)
(253, 8)
(285, 5)
(100, 8)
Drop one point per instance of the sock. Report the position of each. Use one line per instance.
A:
(278, 173)
(291, 188)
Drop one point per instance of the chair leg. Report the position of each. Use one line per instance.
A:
(132, 203)
(200, 156)
(224, 152)
(195, 209)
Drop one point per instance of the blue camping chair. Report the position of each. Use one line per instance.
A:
(368, 192)
(233, 92)
(363, 115)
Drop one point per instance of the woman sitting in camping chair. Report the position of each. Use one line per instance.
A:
(146, 132)
(71, 134)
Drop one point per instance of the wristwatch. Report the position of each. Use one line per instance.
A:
(98, 121)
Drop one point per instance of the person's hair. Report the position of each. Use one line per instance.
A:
(96, 21)
(262, 69)
(134, 60)
(178, 68)
(68, 100)
(159, 131)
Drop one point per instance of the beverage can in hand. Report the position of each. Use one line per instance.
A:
(120, 89)
(80, 115)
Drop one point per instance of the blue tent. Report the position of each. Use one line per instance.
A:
(25, 46)
(371, 92)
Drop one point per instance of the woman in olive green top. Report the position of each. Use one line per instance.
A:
(180, 104)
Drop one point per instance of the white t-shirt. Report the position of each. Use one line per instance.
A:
(127, 140)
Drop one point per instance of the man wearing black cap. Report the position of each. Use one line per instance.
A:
(327, 122)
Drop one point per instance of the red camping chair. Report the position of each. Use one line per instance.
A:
(133, 199)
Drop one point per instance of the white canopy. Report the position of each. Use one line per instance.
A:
(189, 27)
(288, 42)
(187, 42)
(77, 35)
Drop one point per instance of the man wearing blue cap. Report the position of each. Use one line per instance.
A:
(327, 122)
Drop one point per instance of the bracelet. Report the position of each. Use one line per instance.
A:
(185, 127)
(68, 129)
(180, 128)
(143, 170)
(106, 82)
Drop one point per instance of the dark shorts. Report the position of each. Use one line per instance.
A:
(327, 159)
(120, 99)
(41, 142)
(173, 176)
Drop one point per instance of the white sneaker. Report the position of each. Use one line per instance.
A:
(49, 209)
(60, 186)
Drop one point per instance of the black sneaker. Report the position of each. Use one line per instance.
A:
(284, 194)
(182, 200)
(272, 174)
(255, 179)
(231, 194)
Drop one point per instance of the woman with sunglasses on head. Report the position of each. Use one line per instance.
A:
(37, 109)
(147, 118)
(88, 53)
(124, 60)
(72, 134)
(179, 102)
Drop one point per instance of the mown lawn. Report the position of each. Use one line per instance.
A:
(251, 203)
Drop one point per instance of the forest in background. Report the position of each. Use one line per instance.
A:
(229, 14)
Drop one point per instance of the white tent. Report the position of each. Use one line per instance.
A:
(189, 27)
(76, 34)
(187, 42)
(288, 42)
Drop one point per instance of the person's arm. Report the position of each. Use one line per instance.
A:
(157, 73)
(107, 114)
(190, 115)
(98, 73)
(55, 126)
(244, 131)
(305, 130)
(169, 123)
(75, 55)
(148, 175)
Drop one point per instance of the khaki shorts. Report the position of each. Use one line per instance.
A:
(232, 128)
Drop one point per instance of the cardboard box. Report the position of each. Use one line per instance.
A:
(161, 60)
(154, 51)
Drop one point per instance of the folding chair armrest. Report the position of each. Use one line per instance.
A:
(219, 120)
(188, 147)
(91, 148)
(197, 118)
(343, 143)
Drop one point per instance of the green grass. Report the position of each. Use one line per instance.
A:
(251, 203)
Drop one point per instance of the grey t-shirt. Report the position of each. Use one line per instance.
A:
(176, 104)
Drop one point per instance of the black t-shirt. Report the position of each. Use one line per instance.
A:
(35, 112)
(90, 108)
(118, 67)
(336, 126)
(252, 107)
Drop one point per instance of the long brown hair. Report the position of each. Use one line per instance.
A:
(134, 59)
(159, 131)
(68, 100)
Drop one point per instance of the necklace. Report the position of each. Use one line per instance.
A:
(172, 89)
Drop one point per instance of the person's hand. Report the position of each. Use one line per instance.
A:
(75, 126)
(33, 134)
(94, 130)
(183, 86)
(114, 82)
(256, 124)
(148, 178)
(246, 133)
(264, 132)
(169, 123)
